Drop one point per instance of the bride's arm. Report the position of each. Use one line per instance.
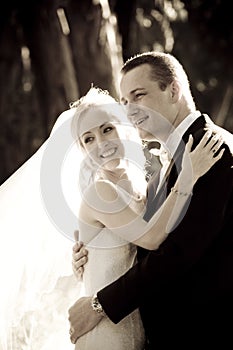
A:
(104, 204)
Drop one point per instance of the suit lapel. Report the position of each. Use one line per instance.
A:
(155, 200)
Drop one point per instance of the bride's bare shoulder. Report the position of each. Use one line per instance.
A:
(101, 190)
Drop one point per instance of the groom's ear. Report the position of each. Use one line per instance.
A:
(175, 88)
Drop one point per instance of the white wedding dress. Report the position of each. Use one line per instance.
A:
(105, 264)
(109, 257)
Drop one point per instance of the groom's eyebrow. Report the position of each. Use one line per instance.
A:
(123, 99)
(132, 92)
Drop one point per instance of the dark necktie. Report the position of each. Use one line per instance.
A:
(155, 196)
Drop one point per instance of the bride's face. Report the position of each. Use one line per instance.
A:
(100, 138)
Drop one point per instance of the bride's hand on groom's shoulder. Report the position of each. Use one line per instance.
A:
(79, 259)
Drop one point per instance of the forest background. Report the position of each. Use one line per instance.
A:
(52, 51)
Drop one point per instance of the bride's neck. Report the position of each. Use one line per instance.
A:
(119, 177)
(115, 175)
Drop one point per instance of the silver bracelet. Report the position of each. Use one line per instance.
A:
(179, 193)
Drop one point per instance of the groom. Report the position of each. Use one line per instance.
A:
(185, 288)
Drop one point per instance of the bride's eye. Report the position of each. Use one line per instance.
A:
(108, 129)
(88, 139)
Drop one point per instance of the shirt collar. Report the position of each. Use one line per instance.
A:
(176, 136)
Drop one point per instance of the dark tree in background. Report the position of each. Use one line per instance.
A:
(52, 51)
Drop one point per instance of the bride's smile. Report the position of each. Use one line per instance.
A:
(109, 152)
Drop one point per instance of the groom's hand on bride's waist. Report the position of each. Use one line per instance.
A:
(84, 315)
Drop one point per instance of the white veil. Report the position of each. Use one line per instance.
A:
(38, 207)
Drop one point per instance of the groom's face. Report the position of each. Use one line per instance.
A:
(148, 107)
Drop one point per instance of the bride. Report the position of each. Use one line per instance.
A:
(113, 203)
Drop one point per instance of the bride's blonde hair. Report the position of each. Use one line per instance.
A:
(135, 158)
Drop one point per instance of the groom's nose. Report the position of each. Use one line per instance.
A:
(132, 111)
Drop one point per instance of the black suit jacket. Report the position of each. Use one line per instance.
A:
(185, 288)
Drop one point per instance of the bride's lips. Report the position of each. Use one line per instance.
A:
(109, 153)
